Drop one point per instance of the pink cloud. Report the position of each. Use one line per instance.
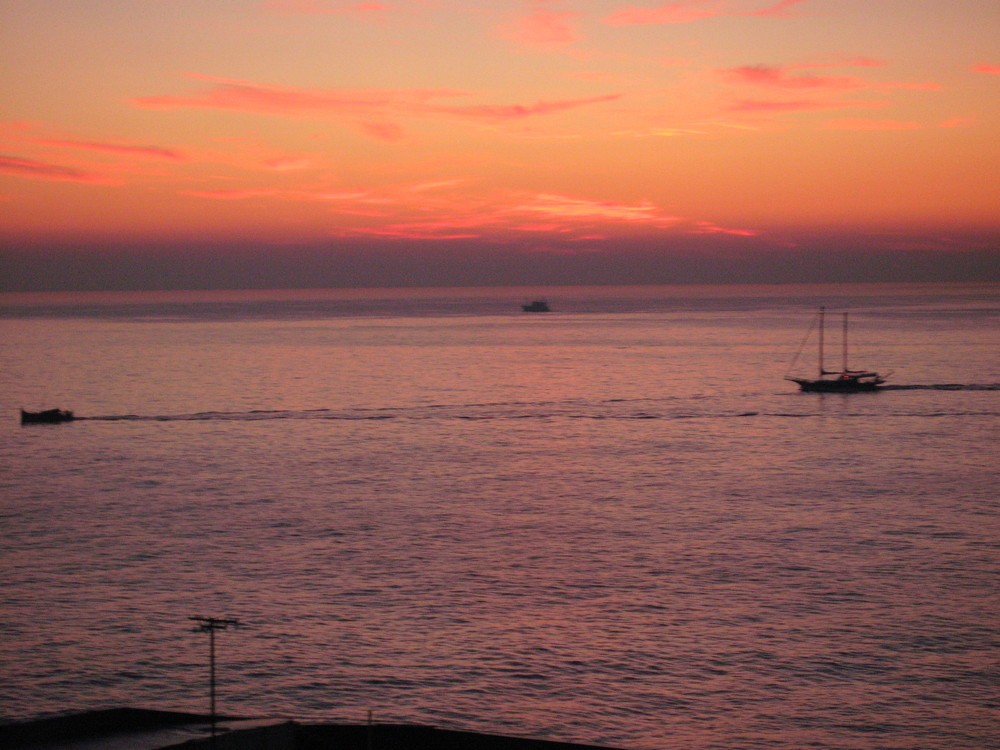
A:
(692, 10)
(228, 195)
(517, 111)
(282, 100)
(560, 206)
(286, 164)
(445, 209)
(707, 227)
(316, 7)
(778, 77)
(43, 171)
(383, 131)
(370, 213)
(539, 227)
(773, 76)
(656, 132)
(851, 62)
(342, 196)
(906, 85)
(799, 105)
(763, 105)
(664, 14)
(600, 76)
(987, 68)
(254, 154)
(851, 123)
(437, 185)
(414, 231)
(778, 9)
(153, 152)
(958, 122)
(543, 28)
(380, 105)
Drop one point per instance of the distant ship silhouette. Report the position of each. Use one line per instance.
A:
(47, 416)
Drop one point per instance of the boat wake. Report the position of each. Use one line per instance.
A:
(569, 409)
(610, 409)
(944, 387)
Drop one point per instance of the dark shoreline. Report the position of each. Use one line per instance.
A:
(143, 728)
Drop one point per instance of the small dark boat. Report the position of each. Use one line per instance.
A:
(538, 305)
(843, 380)
(48, 416)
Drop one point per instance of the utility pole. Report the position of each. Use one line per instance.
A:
(210, 625)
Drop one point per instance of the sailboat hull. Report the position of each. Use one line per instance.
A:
(838, 385)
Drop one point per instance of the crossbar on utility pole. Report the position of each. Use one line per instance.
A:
(210, 625)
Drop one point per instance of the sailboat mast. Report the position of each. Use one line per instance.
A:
(822, 314)
(845, 343)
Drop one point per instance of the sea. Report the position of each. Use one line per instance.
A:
(614, 523)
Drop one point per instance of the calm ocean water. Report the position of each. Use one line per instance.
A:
(615, 523)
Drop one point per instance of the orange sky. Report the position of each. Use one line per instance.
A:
(568, 127)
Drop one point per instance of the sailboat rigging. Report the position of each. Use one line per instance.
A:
(844, 380)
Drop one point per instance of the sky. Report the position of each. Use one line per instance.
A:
(160, 144)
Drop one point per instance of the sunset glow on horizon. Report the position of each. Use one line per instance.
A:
(550, 127)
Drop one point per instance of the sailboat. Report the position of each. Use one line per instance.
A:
(844, 380)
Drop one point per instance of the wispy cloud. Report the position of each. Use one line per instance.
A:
(769, 105)
(374, 112)
(437, 185)
(663, 14)
(850, 62)
(852, 123)
(582, 215)
(324, 7)
(289, 101)
(498, 112)
(958, 122)
(564, 207)
(31, 135)
(707, 227)
(800, 105)
(449, 209)
(543, 28)
(129, 163)
(987, 68)
(780, 77)
(693, 10)
(253, 154)
(659, 132)
(149, 152)
(779, 9)
(790, 88)
(422, 231)
(384, 131)
(39, 170)
(286, 163)
(229, 195)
